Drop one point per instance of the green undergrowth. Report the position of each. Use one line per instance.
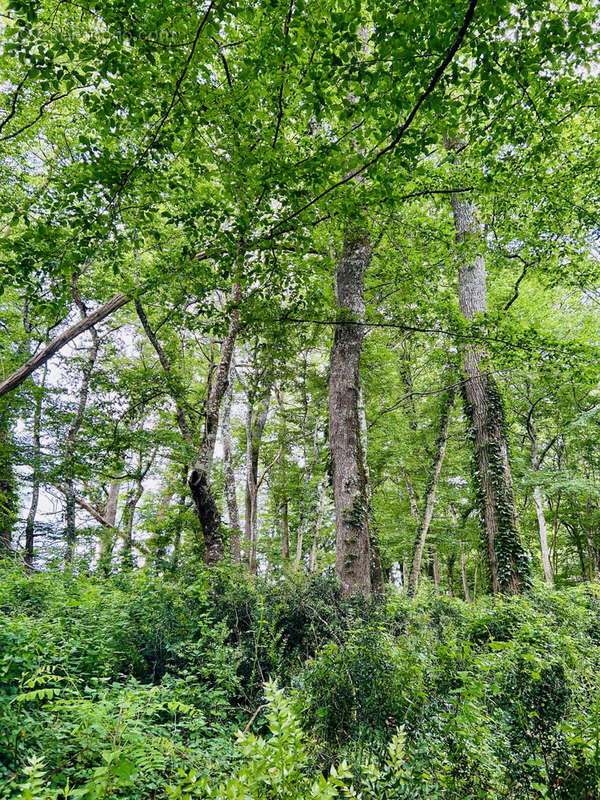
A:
(216, 686)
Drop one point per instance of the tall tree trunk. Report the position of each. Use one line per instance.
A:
(228, 472)
(508, 561)
(353, 552)
(199, 482)
(430, 494)
(35, 477)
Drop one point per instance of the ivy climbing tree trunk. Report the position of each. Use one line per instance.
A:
(353, 552)
(508, 561)
(199, 481)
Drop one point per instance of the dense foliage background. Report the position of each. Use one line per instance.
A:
(136, 686)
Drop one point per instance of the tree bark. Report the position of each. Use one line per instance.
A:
(438, 460)
(508, 562)
(353, 551)
(199, 481)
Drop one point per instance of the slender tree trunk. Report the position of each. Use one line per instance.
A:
(199, 482)
(463, 573)
(539, 504)
(175, 388)
(299, 548)
(435, 564)
(131, 504)
(539, 510)
(314, 547)
(593, 560)
(410, 491)
(256, 419)
(377, 581)
(508, 562)
(127, 525)
(285, 531)
(436, 469)
(451, 562)
(70, 522)
(353, 552)
(228, 472)
(85, 323)
(108, 532)
(35, 478)
(555, 525)
(75, 426)
(8, 490)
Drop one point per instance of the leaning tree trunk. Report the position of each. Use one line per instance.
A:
(199, 482)
(508, 561)
(353, 552)
(425, 522)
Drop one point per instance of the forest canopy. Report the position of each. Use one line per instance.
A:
(300, 303)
